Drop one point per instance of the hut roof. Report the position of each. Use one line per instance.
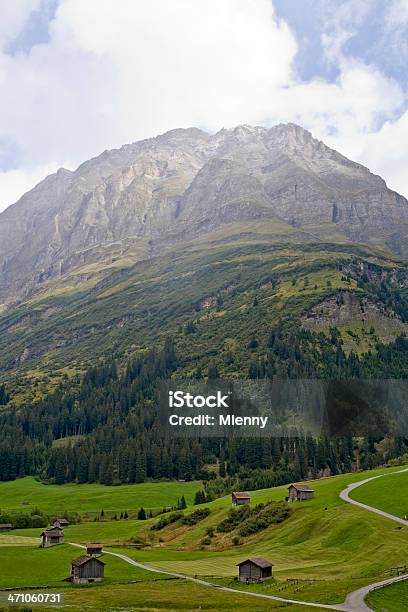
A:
(61, 521)
(53, 533)
(84, 559)
(4, 525)
(302, 488)
(259, 561)
(54, 528)
(93, 545)
(241, 494)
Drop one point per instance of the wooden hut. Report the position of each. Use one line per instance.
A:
(255, 569)
(239, 498)
(87, 569)
(52, 536)
(94, 549)
(300, 493)
(6, 526)
(61, 522)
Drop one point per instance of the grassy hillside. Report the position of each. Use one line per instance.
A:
(389, 494)
(390, 599)
(326, 548)
(166, 595)
(31, 566)
(92, 498)
(224, 288)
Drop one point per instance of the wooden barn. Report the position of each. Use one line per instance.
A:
(6, 526)
(52, 536)
(87, 569)
(94, 549)
(61, 522)
(240, 498)
(299, 493)
(255, 569)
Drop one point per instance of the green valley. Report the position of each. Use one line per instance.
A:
(324, 550)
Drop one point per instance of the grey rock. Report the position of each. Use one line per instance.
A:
(182, 184)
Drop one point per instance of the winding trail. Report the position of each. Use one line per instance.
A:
(149, 568)
(355, 601)
(345, 496)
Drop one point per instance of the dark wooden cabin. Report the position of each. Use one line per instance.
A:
(61, 522)
(255, 569)
(52, 536)
(300, 493)
(94, 549)
(239, 498)
(6, 526)
(87, 569)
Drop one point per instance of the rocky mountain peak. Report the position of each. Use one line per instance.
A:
(186, 182)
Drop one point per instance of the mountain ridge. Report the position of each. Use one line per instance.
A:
(152, 193)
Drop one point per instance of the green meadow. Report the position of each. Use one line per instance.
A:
(31, 566)
(391, 599)
(389, 494)
(324, 550)
(167, 596)
(92, 498)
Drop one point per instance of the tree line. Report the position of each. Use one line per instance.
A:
(107, 428)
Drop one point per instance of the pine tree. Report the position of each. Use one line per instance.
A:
(4, 397)
(141, 515)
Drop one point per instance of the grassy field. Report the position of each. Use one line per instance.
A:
(109, 532)
(389, 494)
(390, 599)
(56, 499)
(31, 566)
(167, 596)
(323, 551)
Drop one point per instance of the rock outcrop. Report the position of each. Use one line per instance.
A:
(183, 183)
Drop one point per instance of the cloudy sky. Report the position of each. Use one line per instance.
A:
(81, 76)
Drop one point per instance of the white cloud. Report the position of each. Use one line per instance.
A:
(111, 76)
(386, 154)
(397, 13)
(14, 14)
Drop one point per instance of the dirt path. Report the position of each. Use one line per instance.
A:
(345, 495)
(355, 601)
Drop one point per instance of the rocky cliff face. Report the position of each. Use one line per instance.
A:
(184, 183)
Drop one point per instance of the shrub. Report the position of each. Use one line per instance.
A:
(167, 520)
(196, 516)
(249, 520)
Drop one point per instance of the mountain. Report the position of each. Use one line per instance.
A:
(212, 239)
(135, 202)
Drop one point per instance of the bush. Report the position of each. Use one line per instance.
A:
(196, 516)
(167, 520)
(234, 518)
(272, 513)
(24, 520)
(249, 520)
